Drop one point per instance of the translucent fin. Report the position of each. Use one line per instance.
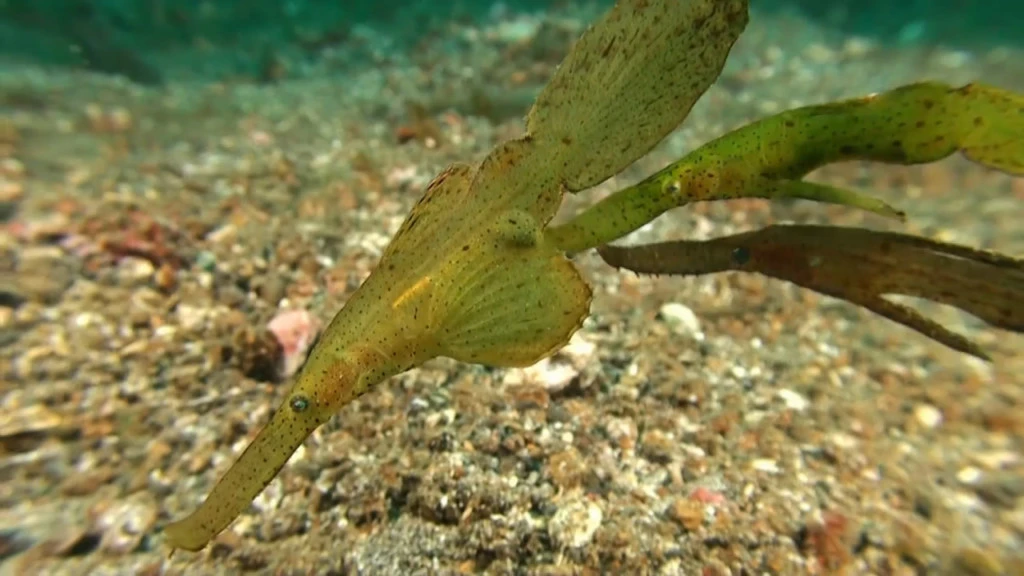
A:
(775, 189)
(426, 225)
(630, 80)
(997, 139)
(516, 311)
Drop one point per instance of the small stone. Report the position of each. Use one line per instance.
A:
(954, 59)
(579, 350)
(24, 420)
(44, 273)
(928, 416)
(976, 562)
(192, 317)
(166, 278)
(124, 523)
(134, 271)
(996, 459)
(968, 475)
(765, 465)
(622, 431)
(553, 375)
(11, 168)
(681, 319)
(707, 496)
(575, 524)
(206, 261)
(1002, 489)
(793, 400)
(567, 469)
(687, 513)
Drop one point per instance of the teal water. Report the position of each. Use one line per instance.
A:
(214, 39)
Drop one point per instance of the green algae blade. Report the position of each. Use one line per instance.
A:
(913, 124)
(996, 139)
(630, 80)
(858, 265)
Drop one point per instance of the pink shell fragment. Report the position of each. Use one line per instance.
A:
(296, 330)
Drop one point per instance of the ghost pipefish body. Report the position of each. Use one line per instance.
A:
(470, 274)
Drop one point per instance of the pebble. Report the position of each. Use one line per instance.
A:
(928, 416)
(579, 350)
(124, 523)
(575, 524)
(553, 376)
(687, 513)
(681, 319)
(996, 459)
(793, 400)
(622, 431)
(20, 420)
(1002, 489)
(768, 465)
(192, 317)
(44, 273)
(976, 562)
(134, 271)
(968, 475)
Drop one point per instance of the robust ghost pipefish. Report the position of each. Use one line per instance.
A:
(470, 275)
(475, 274)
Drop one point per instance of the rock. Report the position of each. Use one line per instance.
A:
(687, 513)
(553, 376)
(793, 400)
(124, 523)
(927, 415)
(681, 319)
(575, 524)
(44, 274)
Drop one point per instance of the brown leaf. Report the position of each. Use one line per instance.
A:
(858, 265)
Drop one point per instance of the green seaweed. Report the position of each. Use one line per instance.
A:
(914, 124)
(475, 273)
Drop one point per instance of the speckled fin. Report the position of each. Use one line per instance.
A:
(425, 226)
(517, 310)
(515, 176)
(998, 138)
(629, 81)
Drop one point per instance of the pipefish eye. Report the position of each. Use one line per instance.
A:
(299, 403)
(740, 256)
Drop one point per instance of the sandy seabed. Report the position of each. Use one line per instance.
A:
(718, 425)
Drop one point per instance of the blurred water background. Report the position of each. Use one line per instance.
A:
(151, 41)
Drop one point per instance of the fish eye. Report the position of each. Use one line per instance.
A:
(299, 403)
(740, 256)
